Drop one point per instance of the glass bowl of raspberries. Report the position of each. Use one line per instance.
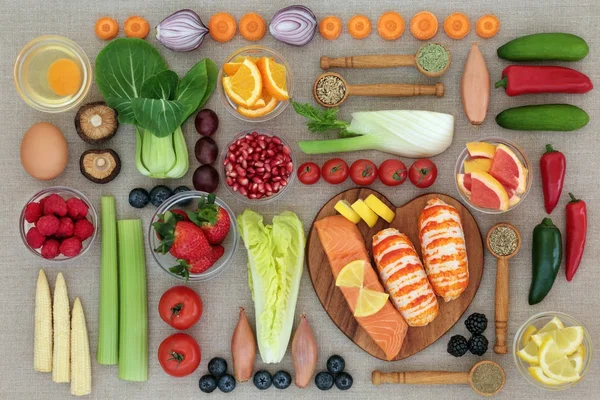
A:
(58, 224)
(193, 236)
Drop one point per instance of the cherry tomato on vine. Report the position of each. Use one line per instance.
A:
(392, 172)
(309, 173)
(179, 354)
(180, 307)
(422, 173)
(363, 172)
(335, 171)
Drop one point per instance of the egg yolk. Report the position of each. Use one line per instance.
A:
(64, 77)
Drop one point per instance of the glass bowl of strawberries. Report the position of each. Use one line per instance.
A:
(58, 224)
(193, 236)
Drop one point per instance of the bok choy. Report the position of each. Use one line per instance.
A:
(413, 134)
(134, 79)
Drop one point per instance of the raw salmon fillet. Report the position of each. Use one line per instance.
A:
(343, 243)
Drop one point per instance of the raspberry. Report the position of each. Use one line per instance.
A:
(70, 247)
(54, 204)
(34, 238)
(77, 209)
(83, 229)
(51, 249)
(48, 225)
(33, 212)
(66, 228)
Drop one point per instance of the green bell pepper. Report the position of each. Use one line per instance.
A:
(546, 259)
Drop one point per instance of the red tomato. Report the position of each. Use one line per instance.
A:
(422, 173)
(309, 173)
(392, 172)
(363, 172)
(335, 171)
(180, 307)
(179, 354)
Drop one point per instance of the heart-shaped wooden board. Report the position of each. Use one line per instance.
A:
(406, 221)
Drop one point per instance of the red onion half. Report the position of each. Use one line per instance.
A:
(294, 25)
(181, 31)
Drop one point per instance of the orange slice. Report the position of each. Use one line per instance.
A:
(258, 112)
(481, 149)
(231, 68)
(487, 192)
(245, 87)
(274, 78)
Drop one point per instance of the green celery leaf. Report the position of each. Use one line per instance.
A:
(160, 86)
(161, 117)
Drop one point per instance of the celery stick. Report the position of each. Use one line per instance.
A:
(133, 312)
(108, 320)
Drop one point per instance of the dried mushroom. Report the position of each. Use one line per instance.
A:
(100, 166)
(96, 122)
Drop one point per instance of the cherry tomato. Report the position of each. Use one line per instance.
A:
(335, 171)
(309, 173)
(180, 307)
(179, 354)
(422, 173)
(363, 172)
(392, 172)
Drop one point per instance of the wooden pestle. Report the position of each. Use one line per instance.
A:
(421, 377)
(373, 61)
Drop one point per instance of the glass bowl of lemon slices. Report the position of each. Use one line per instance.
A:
(553, 351)
(255, 84)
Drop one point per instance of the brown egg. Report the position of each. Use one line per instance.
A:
(44, 151)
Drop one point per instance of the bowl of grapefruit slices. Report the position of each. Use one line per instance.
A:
(493, 175)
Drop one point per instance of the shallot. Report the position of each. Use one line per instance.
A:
(294, 25)
(304, 353)
(243, 349)
(181, 31)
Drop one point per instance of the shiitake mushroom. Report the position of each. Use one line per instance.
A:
(96, 122)
(100, 166)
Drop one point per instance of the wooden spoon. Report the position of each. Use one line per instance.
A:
(380, 90)
(501, 303)
(436, 378)
(383, 61)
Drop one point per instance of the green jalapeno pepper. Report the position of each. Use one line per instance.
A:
(546, 259)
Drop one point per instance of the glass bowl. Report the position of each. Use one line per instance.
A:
(538, 321)
(66, 193)
(459, 169)
(30, 69)
(255, 51)
(167, 261)
(241, 197)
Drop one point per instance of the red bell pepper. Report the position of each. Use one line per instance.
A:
(553, 166)
(528, 79)
(576, 233)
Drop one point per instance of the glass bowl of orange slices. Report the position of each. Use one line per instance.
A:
(493, 175)
(255, 84)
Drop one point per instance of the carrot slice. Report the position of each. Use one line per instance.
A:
(330, 27)
(487, 26)
(252, 27)
(390, 25)
(106, 28)
(222, 27)
(136, 27)
(424, 25)
(457, 25)
(359, 26)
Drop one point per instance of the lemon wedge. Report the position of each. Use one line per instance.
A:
(555, 364)
(538, 374)
(577, 359)
(380, 208)
(529, 353)
(527, 335)
(568, 339)
(365, 212)
(352, 275)
(370, 302)
(345, 209)
(554, 324)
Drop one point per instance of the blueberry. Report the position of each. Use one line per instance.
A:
(335, 364)
(139, 198)
(282, 380)
(343, 381)
(208, 383)
(217, 367)
(181, 189)
(324, 380)
(159, 194)
(263, 380)
(226, 383)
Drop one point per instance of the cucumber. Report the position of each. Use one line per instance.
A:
(545, 46)
(545, 117)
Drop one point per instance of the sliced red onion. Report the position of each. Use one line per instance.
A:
(181, 31)
(294, 25)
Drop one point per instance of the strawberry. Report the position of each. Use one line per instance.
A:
(199, 265)
(212, 219)
(183, 239)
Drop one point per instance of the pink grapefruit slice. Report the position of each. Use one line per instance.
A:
(513, 200)
(464, 184)
(481, 149)
(487, 192)
(479, 163)
(508, 170)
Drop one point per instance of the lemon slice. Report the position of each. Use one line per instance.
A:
(554, 324)
(527, 335)
(529, 353)
(567, 339)
(380, 208)
(345, 209)
(352, 275)
(370, 302)
(538, 374)
(577, 359)
(365, 212)
(555, 364)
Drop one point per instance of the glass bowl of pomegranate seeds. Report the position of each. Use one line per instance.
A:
(258, 166)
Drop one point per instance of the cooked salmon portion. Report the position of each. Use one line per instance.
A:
(343, 243)
(443, 249)
(404, 277)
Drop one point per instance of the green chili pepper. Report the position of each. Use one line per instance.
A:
(546, 258)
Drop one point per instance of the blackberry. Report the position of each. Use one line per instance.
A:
(478, 345)
(458, 346)
(476, 323)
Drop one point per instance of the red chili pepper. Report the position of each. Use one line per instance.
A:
(576, 233)
(553, 166)
(528, 79)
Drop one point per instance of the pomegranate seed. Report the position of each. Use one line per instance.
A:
(286, 150)
(229, 167)
(277, 178)
(259, 196)
(244, 164)
(239, 169)
(266, 176)
(231, 157)
(252, 196)
(262, 144)
(256, 179)
(290, 167)
(251, 150)
(268, 167)
(243, 181)
(244, 154)
(259, 164)
(275, 172)
(283, 182)
(248, 137)
(256, 156)
(276, 140)
(229, 182)
(254, 134)
(243, 191)
(268, 187)
(251, 170)
(235, 187)
(269, 194)
(276, 186)
(260, 170)
(254, 187)
(270, 153)
(232, 174)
